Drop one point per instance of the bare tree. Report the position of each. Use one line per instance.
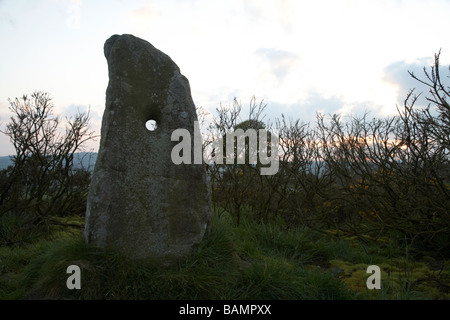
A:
(42, 183)
(393, 173)
(236, 186)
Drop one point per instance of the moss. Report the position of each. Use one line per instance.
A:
(400, 279)
(354, 275)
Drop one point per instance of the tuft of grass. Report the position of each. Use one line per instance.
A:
(276, 240)
(19, 229)
(276, 279)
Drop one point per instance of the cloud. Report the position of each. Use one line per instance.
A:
(5, 17)
(94, 124)
(397, 74)
(317, 102)
(7, 147)
(279, 11)
(95, 118)
(285, 14)
(5, 114)
(73, 21)
(280, 62)
(73, 109)
(304, 109)
(143, 19)
(314, 102)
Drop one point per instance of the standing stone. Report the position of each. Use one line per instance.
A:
(139, 201)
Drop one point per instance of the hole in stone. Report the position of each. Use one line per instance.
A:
(151, 125)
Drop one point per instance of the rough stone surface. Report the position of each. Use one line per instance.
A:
(139, 201)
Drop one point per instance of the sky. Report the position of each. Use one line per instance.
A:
(299, 57)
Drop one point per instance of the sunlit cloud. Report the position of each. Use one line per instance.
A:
(397, 74)
(144, 18)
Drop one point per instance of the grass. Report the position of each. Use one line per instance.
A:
(249, 262)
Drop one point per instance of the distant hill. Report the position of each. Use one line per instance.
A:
(81, 160)
(5, 162)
